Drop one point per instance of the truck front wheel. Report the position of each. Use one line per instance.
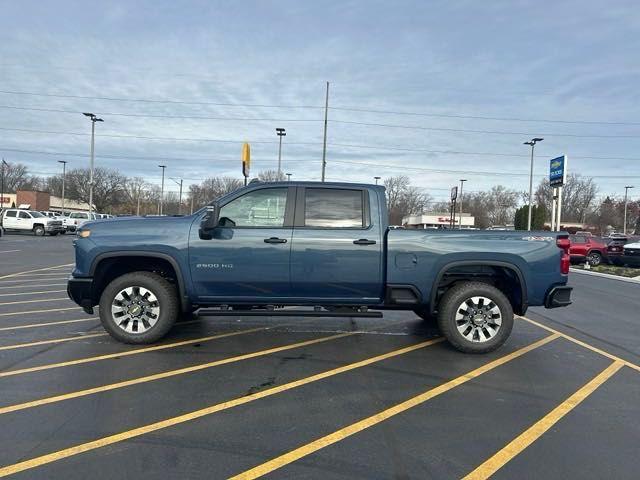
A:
(475, 317)
(139, 307)
(38, 231)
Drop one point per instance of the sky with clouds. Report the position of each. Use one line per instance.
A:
(437, 90)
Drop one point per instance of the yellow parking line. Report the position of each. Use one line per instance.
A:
(30, 293)
(169, 373)
(169, 422)
(526, 438)
(41, 300)
(39, 311)
(36, 270)
(584, 344)
(127, 353)
(48, 342)
(339, 435)
(47, 324)
(33, 286)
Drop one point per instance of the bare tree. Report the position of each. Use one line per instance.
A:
(16, 177)
(578, 197)
(403, 199)
(271, 176)
(495, 207)
(211, 189)
(108, 189)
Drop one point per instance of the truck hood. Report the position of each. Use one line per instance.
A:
(137, 226)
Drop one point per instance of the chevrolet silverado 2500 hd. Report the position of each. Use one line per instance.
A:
(324, 246)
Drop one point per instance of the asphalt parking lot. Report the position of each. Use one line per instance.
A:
(244, 397)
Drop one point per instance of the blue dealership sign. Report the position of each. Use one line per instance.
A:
(557, 171)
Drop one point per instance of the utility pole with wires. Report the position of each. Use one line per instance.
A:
(179, 183)
(161, 191)
(3, 164)
(64, 174)
(626, 203)
(324, 142)
(462, 180)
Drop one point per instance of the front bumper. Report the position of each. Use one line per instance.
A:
(558, 297)
(80, 290)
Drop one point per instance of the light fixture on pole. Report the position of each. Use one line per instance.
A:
(626, 198)
(64, 174)
(288, 176)
(281, 133)
(462, 180)
(161, 190)
(377, 178)
(93, 119)
(531, 142)
(179, 183)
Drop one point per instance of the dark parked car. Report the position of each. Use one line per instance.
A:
(588, 249)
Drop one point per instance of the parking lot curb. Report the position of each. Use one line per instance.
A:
(635, 280)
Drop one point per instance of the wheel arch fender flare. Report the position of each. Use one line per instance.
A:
(490, 263)
(184, 301)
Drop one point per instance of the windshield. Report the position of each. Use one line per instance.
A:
(35, 214)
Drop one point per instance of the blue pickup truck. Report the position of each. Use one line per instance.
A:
(324, 248)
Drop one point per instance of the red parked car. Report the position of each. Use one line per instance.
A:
(587, 249)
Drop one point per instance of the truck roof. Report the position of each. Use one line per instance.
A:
(286, 183)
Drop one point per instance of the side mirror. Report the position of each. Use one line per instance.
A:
(226, 222)
(208, 223)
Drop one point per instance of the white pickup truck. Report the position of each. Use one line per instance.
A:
(76, 219)
(30, 220)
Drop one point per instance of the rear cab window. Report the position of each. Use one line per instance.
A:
(335, 208)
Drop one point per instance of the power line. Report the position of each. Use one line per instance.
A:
(484, 132)
(345, 109)
(481, 117)
(345, 145)
(149, 100)
(147, 115)
(379, 165)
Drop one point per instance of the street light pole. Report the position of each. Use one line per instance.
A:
(281, 133)
(324, 141)
(161, 190)
(462, 180)
(93, 119)
(626, 192)
(532, 142)
(179, 183)
(377, 178)
(64, 172)
(2, 183)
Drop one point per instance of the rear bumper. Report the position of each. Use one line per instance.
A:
(558, 297)
(80, 290)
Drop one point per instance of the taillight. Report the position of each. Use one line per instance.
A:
(565, 260)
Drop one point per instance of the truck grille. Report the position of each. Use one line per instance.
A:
(55, 223)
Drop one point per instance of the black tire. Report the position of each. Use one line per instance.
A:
(63, 232)
(53, 234)
(38, 231)
(167, 300)
(451, 305)
(594, 259)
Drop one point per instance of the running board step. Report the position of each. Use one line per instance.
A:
(284, 313)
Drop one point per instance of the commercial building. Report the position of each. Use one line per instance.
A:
(438, 220)
(41, 201)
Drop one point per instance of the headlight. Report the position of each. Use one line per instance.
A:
(84, 233)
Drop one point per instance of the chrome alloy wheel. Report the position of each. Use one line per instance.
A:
(478, 319)
(135, 309)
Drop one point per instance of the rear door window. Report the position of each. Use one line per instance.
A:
(334, 208)
(11, 213)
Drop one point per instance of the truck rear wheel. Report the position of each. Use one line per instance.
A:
(475, 317)
(139, 307)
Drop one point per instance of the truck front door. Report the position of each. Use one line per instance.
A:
(248, 258)
(337, 246)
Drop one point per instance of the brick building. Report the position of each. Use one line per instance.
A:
(35, 199)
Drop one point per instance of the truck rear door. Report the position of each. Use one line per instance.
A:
(336, 252)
